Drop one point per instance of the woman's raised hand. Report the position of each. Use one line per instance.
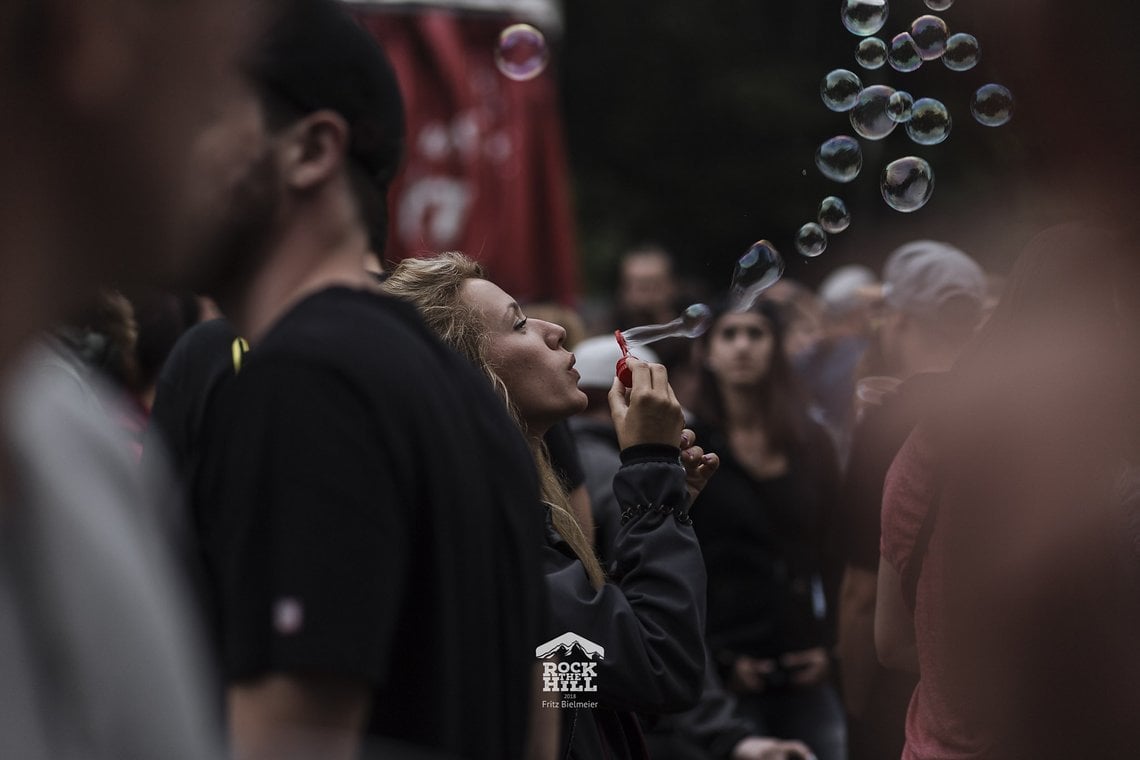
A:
(646, 412)
(700, 466)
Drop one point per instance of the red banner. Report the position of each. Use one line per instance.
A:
(485, 167)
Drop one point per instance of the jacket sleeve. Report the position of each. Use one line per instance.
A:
(650, 616)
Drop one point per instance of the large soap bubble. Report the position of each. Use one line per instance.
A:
(839, 90)
(833, 215)
(907, 184)
(521, 52)
(992, 105)
(962, 52)
(869, 116)
(757, 270)
(811, 240)
(864, 17)
(903, 53)
(929, 34)
(871, 53)
(840, 158)
(939, 5)
(929, 123)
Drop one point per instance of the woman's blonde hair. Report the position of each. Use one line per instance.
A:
(433, 285)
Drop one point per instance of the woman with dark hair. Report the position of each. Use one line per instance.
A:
(762, 529)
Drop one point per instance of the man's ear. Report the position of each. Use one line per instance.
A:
(315, 149)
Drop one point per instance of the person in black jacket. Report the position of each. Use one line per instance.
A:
(637, 630)
(763, 529)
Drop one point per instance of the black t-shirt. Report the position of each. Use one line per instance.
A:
(201, 360)
(367, 508)
(877, 439)
(765, 547)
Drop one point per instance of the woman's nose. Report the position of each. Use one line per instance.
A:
(555, 333)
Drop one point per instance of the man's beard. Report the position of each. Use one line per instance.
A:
(232, 248)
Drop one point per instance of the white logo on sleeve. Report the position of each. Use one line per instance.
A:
(288, 616)
(576, 668)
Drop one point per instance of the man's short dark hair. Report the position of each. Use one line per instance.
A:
(315, 56)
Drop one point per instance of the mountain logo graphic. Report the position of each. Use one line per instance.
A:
(570, 646)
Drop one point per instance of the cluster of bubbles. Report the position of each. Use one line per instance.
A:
(521, 53)
(906, 184)
(874, 111)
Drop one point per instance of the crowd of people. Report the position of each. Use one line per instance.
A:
(263, 497)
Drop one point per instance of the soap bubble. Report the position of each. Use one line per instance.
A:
(929, 34)
(864, 17)
(839, 90)
(521, 52)
(869, 116)
(756, 271)
(900, 107)
(840, 158)
(907, 184)
(811, 240)
(693, 323)
(833, 215)
(871, 53)
(992, 105)
(903, 54)
(929, 122)
(962, 52)
(939, 5)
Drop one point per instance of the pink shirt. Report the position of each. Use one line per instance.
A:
(936, 726)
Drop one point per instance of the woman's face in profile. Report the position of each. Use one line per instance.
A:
(740, 348)
(529, 357)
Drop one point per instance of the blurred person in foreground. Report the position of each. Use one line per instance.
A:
(374, 588)
(933, 298)
(646, 615)
(1008, 571)
(764, 527)
(102, 99)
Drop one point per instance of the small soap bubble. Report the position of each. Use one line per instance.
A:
(811, 240)
(929, 34)
(864, 17)
(929, 123)
(962, 52)
(871, 53)
(696, 320)
(900, 107)
(939, 5)
(839, 90)
(693, 323)
(521, 52)
(992, 105)
(840, 158)
(756, 271)
(833, 215)
(869, 116)
(903, 53)
(907, 184)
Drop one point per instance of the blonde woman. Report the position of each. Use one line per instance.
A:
(647, 612)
